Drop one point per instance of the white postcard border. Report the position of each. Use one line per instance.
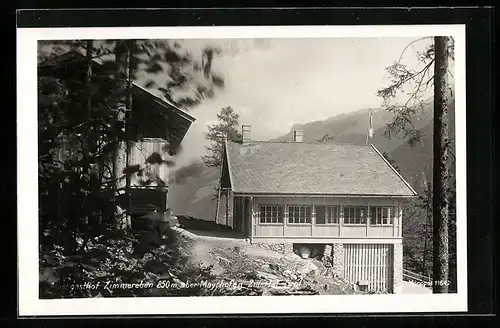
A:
(27, 177)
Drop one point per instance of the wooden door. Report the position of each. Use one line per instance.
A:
(371, 263)
(247, 216)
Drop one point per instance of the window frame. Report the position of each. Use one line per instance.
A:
(328, 209)
(280, 210)
(363, 218)
(289, 217)
(374, 215)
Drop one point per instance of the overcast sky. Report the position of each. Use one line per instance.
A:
(281, 82)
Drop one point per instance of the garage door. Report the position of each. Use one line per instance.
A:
(371, 263)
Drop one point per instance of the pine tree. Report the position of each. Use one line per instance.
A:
(436, 64)
(227, 128)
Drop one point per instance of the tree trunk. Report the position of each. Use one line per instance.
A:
(92, 147)
(120, 157)
(440, 165)
(424, 253)
(88, 77)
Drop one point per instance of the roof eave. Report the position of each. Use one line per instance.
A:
(321, 195)
(165, 103)
(226, 154)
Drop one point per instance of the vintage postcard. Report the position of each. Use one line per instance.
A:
(208, 170)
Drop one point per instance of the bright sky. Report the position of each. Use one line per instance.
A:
(287, 81)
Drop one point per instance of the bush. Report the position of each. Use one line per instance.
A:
(104, 266)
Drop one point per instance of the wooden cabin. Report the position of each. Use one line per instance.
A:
(158, 126)
(346, 199)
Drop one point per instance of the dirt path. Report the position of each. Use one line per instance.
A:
(205, 244)
(201, 253)
(203, 247)
(208, 249)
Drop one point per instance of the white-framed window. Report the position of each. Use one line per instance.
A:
(299, 214)
(355, 214)
(271, 214)
(328, 214)
(381, 215)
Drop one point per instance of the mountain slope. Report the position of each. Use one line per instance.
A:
(352, 128)
(195, 197)
(415, 162)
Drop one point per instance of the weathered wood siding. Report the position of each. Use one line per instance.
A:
(139, 152)
(331, 230)
(241, 220)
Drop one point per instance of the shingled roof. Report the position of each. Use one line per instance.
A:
(312, 169)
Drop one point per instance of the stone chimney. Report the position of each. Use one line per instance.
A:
(298, 135)
(246, 131)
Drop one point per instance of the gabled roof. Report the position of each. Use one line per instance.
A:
(137, 89)
(312, 169)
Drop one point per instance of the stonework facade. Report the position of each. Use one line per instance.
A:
(338, 259)
(327, 257)
(397, 269)
(287, 248)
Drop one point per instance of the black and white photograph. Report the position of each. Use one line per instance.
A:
(324, 163)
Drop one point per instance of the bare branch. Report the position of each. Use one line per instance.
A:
(409, 44)
(418, 73)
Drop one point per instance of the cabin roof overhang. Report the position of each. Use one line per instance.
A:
(319, 195)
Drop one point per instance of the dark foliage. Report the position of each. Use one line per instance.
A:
(81, 125)
(391, 161)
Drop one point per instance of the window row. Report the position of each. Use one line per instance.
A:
(378, 215)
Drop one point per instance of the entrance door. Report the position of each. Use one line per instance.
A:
(247, 216)
(371, 263)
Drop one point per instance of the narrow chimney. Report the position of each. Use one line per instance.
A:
(246, 131)
(298, 135)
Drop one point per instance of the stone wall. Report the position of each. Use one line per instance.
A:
(338, 259)
(397, 269)
(327, 257)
